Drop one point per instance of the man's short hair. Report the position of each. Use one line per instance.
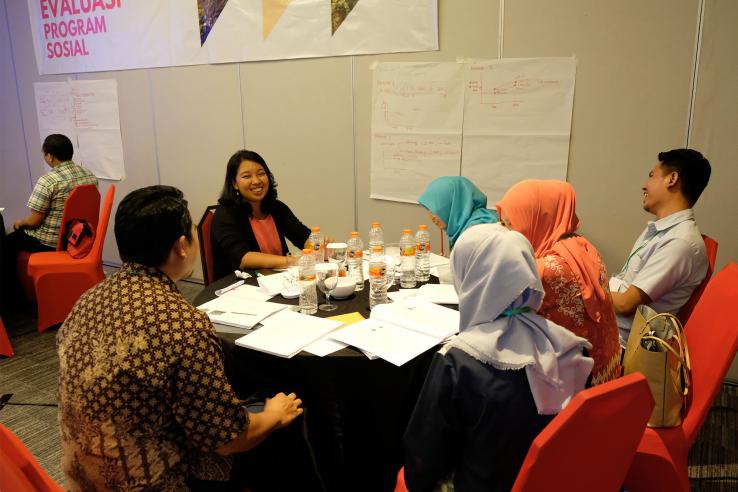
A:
(148, 222)
(59, 146)
(693, 170)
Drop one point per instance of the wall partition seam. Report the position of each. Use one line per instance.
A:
(353, 145)
(153, 119)
(17, 96)
(243, 113)
(695, 70)
(501, 31)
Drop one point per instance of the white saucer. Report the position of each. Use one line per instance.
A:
(290, 294)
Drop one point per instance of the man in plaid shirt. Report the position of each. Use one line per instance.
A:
(39, 231)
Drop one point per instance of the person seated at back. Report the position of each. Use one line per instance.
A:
(455, 204)
(144, 403)
(573, 274)
(39, 231)
(250, 227)
(494, 387)
(668, 260)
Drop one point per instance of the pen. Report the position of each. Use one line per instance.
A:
(222, 291)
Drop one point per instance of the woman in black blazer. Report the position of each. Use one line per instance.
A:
(250, 227)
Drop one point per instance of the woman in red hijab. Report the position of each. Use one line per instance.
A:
(573, 274)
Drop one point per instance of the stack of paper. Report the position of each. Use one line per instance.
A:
(401, 331)
(238, 312)
(287, 333)
(436, 293)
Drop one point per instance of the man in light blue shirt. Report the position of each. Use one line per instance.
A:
(668, 260)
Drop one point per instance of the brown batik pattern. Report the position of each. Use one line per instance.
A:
(142, 391)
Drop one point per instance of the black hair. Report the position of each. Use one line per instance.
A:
(231, 196)
(693, 170)
(59, 146)
(149, 221)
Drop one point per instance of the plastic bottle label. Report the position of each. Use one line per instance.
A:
(377, 271)
(423, 247)
(355, 254)
(408, 251)
(307, 278)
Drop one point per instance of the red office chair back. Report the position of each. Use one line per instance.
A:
(591, 443)
(5, 347)
(206, 247)
(83, 202)
(102, 226)
(19, 469)
(712, 339)
(712, 248)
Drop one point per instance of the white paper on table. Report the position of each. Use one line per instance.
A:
(402, 294)
(438, 293)
(243, 313)
(220, 328)
(421, 316)
(273, 284)
(437, 260)
(248, 293)
(325, 346)
(390, 342)
(286, 333)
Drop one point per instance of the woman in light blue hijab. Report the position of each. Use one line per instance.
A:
(455, 204)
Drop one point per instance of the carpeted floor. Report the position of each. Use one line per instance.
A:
(31, 377)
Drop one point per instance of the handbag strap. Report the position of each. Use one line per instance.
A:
(683, 355)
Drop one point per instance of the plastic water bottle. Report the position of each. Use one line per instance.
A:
(422, 254)
(354, 254)
(308, 294)
(315, 242)
(407, 259)
(376, 237)
(377, 278)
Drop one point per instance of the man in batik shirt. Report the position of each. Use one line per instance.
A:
(143, 398)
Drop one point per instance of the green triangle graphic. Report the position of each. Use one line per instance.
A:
(340, 9)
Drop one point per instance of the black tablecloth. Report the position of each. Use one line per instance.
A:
(356, 409)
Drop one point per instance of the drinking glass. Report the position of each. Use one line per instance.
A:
(326, 275)
(337, 254)
(394, 259)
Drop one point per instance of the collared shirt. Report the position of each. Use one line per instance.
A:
(49, 195)
(142, 391)
(667, 262)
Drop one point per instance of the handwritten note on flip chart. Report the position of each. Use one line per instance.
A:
(87, 112)
(416, 127)
(494, 121)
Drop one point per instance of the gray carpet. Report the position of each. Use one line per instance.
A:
(31, 376)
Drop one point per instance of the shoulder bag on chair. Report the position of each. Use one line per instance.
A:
(657, 348)
(79, 236)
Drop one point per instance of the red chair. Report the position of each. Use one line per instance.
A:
(206, 247)
(83, 202)
(19, 470)
(712, 248)
(712, 338)
(590, 444)
(5, 347)
(59, 279)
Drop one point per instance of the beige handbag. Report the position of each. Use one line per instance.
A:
(657, 348)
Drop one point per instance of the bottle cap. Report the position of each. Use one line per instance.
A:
(316, 229)
(354, 233)
(422, 227)
(307, 251)
(407, 231)
(375, 224)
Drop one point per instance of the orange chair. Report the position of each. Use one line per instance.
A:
(83, 202)
(5, 347)
(712, 248)
(59, 279)
(712, 338)
(206, 247)
(590, 444)
(19, 470)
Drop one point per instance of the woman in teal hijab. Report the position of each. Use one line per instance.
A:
(456, 204)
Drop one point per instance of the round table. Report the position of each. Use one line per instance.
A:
(356, 409)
